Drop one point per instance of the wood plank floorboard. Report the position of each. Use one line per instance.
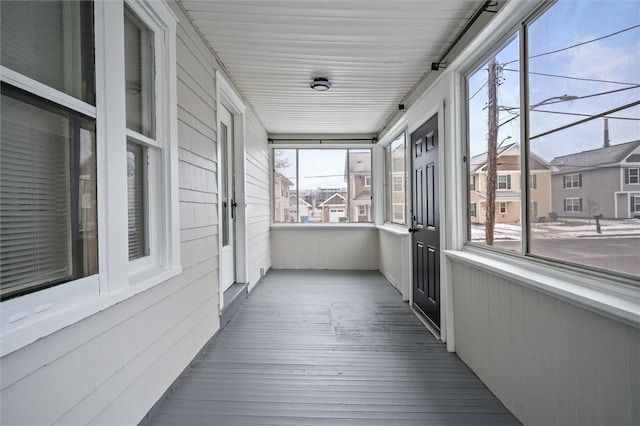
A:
(328, 348)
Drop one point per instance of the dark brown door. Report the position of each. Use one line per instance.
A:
(425, 218)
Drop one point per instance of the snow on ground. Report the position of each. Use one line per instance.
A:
(568, 228)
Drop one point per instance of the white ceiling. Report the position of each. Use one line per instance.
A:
(373, 51)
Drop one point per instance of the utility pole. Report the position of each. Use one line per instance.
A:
(492, 151)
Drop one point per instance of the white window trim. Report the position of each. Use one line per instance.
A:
(380, 209)
(310, 146)
(598, 292)
(573, 199)
(500, 204)
(575, 183)
(637, 176)
(28, 318)
(367, 181)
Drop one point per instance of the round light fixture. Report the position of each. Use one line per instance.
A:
(320, 84)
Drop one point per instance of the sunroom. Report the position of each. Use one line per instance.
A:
(287, 212)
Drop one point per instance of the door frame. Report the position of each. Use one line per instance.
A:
(415, 120)
(228, 98)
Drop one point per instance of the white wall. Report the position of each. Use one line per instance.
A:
(549, 362)
(258, 198)
(393, 259)
(324, 248)
(113, 366)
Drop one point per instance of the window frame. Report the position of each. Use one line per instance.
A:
(636, 176)
(507, 181)
(612, 295)
(491, 40)
(27, 318)
(502, 207)
(297, 146)
(389, 178)
(572, 180)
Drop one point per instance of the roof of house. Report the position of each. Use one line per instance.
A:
(596, 157)
(364, 195)
(283, 178)
(302, 202)
(478, 161)
(335, 199)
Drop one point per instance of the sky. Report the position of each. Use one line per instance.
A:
(615, 58)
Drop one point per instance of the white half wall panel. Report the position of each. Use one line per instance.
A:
(319, 247)
(549, 362)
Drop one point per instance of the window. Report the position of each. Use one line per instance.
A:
(504, 182)
(635, 203)
(493, 164)
(395, 178)
(398, 213)
(503, 208)
(367, 181)
(632, 176)
(472, 210)
(330, 183)
(398, 184)
(573, 204)
(576, 173)
(48, 199)
(573, 181)
(48, 167)
(58, 127)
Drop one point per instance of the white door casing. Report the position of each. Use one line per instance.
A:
(229, 100)
(227, 199)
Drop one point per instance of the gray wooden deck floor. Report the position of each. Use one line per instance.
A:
(328, 348)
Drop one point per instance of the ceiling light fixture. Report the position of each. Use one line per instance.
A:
(320, 84)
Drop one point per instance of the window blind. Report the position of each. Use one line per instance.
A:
(136, 190)
(34, 197)
(51, 42)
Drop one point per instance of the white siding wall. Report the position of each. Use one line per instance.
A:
(113, 366)
(258, 193)
(549, 362)
(324, 248)
(394, 262)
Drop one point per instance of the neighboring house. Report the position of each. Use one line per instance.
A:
(334, 209)
(508, 186)
(281, 196)
(397, 186)
(358, 170)
(602, 181)
(305, 212)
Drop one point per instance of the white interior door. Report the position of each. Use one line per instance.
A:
(227, 200)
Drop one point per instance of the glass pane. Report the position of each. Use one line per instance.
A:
(137, 200)
(360, 185)
(47, 196)
(285, 182)
(397, 180)
(88, 199)
(139, 71)
(323, 183)
(224, 183)
(582, 154)
(494, 147)
(51, 42)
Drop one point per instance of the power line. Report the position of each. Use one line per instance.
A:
(507, 109)
(578, 44)
(577, 114)
(478, 91)
(592, 117)
(574, 78)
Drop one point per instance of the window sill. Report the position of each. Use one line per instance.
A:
(615, 300)
(71, 313)
(394, 229)
(323, 226)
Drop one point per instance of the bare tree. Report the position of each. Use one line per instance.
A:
(280, 162)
